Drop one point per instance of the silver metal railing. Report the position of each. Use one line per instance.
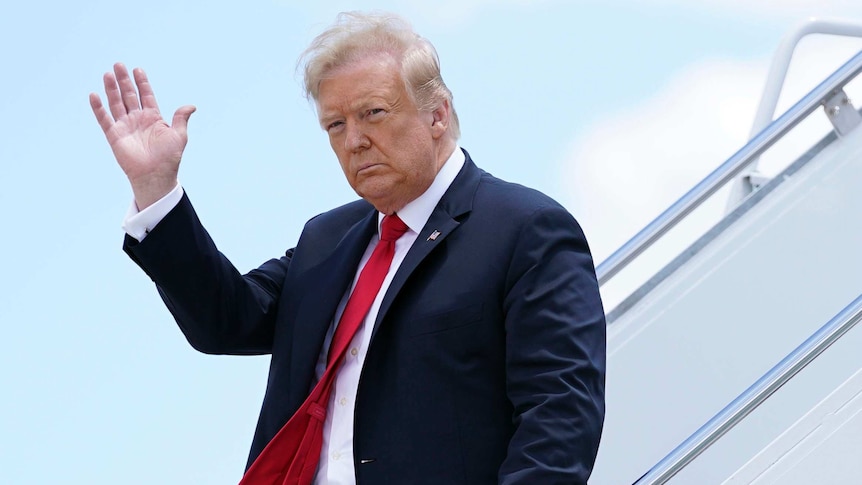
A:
(754, 396)
(775, 83)
(728, 170)
(784, 54)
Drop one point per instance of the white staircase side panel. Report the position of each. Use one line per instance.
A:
(723, 319)
(778, 413)
(822, 447)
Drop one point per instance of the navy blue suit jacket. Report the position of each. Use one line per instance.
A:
(486, 363)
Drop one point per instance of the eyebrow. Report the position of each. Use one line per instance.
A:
(325, 117)
(325, 120)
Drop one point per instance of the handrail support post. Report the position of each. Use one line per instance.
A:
(841, 113)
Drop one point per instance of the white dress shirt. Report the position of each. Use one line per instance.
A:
(336, 455)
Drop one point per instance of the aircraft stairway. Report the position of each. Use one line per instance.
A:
(738, 361)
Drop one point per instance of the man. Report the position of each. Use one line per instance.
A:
(477, 355)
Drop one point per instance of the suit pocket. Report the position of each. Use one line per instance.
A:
(448, 319)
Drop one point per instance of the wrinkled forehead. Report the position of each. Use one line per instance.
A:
(355, 87)
(361, 77)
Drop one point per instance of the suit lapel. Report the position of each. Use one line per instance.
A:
(326, 284)
(457, 201)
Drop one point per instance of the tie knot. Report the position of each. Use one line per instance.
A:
(392, 228)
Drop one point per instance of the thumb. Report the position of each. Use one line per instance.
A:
(181, 118)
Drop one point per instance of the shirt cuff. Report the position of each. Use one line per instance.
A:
(139, 223)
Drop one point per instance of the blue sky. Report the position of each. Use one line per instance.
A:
(614, 108)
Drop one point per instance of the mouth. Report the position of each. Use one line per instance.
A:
(366, 167)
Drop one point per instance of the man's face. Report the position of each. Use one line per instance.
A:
(389, 150)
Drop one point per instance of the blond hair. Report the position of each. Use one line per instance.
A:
(355, 36)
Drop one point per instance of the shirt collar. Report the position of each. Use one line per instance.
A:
(416, 213)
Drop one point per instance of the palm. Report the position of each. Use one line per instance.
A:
(142, 141)
(145, 146)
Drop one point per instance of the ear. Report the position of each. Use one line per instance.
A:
(440, 117)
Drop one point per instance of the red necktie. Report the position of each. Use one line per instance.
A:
(291, 456)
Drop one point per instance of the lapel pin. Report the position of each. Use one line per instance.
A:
(433, 236)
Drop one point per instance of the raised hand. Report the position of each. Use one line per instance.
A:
(145, 146)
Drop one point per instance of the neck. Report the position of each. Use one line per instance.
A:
(445, 150)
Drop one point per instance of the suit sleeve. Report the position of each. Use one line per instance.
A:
(219, 310)
(555, 354)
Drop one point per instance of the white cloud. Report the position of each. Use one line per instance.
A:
(629, 167)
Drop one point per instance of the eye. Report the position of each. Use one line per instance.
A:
(334, 125)
(375, 111)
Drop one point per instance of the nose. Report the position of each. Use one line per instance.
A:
(355, 139)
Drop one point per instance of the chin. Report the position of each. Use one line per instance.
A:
(374, 191)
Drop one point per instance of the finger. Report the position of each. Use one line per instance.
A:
(181, 119)
(148, 98)
(115, 99)
(102, 116)
(127, 88)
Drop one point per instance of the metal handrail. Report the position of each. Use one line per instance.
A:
(754, 396)
(775, 82)
(727, 170)
(784, 54)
